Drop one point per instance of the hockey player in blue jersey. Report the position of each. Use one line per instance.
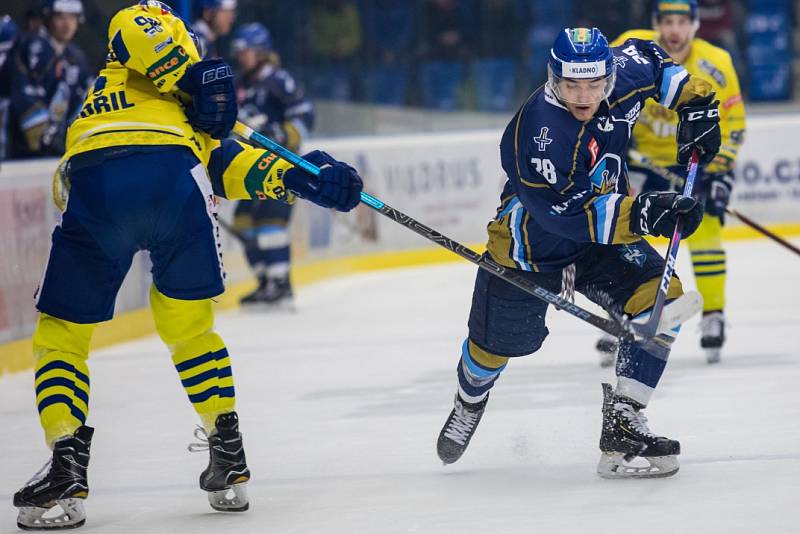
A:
(216, 20)
(565, 213)
(49, 79)
(270, 100)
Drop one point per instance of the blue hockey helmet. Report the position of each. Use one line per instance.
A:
(74, 7)
(254, 36)
(8, 32)
(581, 54)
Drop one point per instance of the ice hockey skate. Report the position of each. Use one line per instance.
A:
(53, 498)
(628, 448)
(271, 294)
(459, 428)
(226, 475)
(713, 336)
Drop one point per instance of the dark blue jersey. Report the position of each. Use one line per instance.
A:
(270, 100)
(47, 92)
(567, 181)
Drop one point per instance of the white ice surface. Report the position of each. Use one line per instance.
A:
(341, 404)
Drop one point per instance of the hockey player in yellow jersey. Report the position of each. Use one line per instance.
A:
(145, 161)
(675, 23)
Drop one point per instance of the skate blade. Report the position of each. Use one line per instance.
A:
(233, 499)
(65, 514)
(614, 465)
(713, 355)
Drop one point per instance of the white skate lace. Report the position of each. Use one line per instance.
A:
(637, 420)
(461, 425)
(41, 474)
(202, 436)
(568, 283)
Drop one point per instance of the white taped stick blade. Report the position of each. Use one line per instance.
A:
(614, 465)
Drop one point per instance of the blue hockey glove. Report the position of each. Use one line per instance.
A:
(717, 192)
(656, 213)
(698, 128)
(213, 107)
(337, 186)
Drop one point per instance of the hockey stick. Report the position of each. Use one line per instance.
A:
(617, 326)
(676, 180)
(650, 328)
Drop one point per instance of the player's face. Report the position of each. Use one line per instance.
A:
(582, 97)
(63, 26)
(676, 32)
(222, 21)
(247, 59)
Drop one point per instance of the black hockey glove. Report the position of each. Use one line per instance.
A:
(338, 185)
(213, 107)
(717, 193)
(656, 213)
(698, 127)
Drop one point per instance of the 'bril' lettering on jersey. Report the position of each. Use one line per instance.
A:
(567, 181)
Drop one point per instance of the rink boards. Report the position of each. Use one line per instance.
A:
(449, 181)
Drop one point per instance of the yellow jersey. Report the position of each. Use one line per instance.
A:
(654, 134)
(135, 101)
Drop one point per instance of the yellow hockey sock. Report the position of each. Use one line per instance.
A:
(61, 349)
(199, 354)
(709, 262)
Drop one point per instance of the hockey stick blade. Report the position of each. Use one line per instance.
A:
(674, 314)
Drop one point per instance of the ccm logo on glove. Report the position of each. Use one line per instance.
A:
(705, 114)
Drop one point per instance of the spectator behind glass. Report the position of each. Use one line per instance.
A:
(445, 35)
(49, 79)
(335, 42)
(335, 31)
(390, 27)
(501, 27)
(500, 42)
(615, 17)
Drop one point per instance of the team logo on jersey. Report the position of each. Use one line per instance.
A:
(619, 61)
(604, 124)
(633, 254)
(542, 140)
(605, 174)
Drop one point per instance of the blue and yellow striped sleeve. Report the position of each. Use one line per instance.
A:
(240, 172)
(154, 42)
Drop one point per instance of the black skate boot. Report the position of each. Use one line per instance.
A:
(226, 475)
(713, 335)
(607, 347)
(459, 428)
(257, 295)
(278, 291)
(626, 442)
(53, 498)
